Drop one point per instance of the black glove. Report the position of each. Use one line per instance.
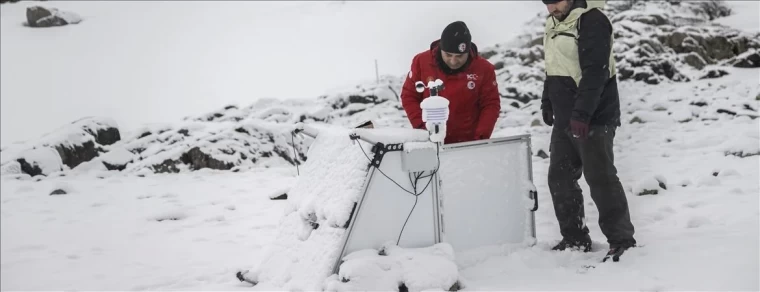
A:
(548, 115)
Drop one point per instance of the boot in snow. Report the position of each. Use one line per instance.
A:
(616, 251)
(583, 244)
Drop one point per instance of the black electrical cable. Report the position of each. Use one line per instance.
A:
(417, 177)
(378, 169)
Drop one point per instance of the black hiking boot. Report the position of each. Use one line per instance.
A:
(583, 245)
(616, 251)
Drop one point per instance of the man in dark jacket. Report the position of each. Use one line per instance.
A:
(469, 83)
(580, 100)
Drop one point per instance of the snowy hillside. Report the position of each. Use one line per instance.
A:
(185, 205)
(656, 41)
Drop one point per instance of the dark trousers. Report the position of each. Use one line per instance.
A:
(593, 158)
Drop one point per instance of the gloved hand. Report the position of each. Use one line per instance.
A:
(548, 115)
(579, 129)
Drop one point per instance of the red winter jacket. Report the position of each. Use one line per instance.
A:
(473, 95)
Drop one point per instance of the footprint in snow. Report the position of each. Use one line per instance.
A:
(697, 221)
(169, 216)
(693, 204)
(663, 213)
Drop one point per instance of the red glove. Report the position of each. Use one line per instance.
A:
(579, 129)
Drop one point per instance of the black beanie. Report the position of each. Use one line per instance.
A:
(456, 38)
(550, 1)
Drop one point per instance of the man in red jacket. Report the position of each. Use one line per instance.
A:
(469, 83)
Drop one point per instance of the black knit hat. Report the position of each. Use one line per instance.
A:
(456, 38)
(550, 1)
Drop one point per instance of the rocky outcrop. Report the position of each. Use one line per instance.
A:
(65, 148)
(655, 41)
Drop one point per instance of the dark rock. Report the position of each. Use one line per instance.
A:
(229, 107)
(77, 154)
(366, 99)
(749, 61)
(31, 170)
(513, 93)
(647, 192)
(715, 173)
(242, 130)
(117, 167)
(352, 112)
(725, 111)
(168, 166)
(281, 197)
(196, 159)
(542, 154)
(366, 125)
(303, 118)
(143, 135)
(184, 132)
(714, 73)
(498, 65)
(38, 16)
(58, 192)
(694, 60)
(699, 103)
(636, 120)
(741, 154)
(107, 136)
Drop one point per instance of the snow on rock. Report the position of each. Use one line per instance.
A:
(42, 160)
(38, 16)
(117, 158)
(195, 145)
(73, 144)
(310, 235)
(394, 268)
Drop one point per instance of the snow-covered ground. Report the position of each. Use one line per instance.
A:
(696, 144)
(184, 232)
(701, 233)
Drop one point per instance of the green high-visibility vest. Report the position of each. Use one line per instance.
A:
(561, 44)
